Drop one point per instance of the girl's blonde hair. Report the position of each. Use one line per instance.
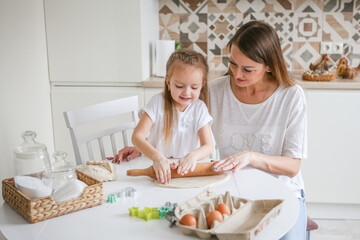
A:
(259, 42)
(184, 57)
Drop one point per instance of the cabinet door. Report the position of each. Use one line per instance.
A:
(331, 172)
(94, 41)
(69, 98)
(150, 92)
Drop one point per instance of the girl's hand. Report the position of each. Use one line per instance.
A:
(234, 162)
(127, 154)
(162, 170)
(186, 164)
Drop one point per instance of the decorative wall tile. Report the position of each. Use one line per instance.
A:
(306, 6)
(250, 6)
(338, 6)
(337, 27)
(166, 6)
(193, 6)
(356, 26)
(283, 23)
(356, 5)
(279, 6)
(203, 25)
(200, 47)
(221, 28)
(305, 53)
(256, 6)
(193, 27)
(242, 18)
(169, 26)
(221, 6)
(307, 27)
(286, 48)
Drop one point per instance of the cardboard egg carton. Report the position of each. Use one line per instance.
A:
(247, 220)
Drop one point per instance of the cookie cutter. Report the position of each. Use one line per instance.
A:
(163, 211)
(170, 215)
(128, 192)
(171, 205)
(112, 198)
(147, 213)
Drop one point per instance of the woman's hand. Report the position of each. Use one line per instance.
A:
(234, 162)
(162, 170)
(186, 164)
(127, 154)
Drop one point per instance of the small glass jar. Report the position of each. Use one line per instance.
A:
(63, 171)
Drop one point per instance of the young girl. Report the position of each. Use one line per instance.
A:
(178, 119)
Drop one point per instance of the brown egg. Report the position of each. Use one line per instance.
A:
(212, 216)
(224, 209)
(188, 220)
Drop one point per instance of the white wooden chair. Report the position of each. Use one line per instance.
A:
(81, 116)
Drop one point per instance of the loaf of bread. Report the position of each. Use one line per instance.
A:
(101, 170)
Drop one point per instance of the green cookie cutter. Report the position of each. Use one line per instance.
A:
(146, 214)
(112, 198)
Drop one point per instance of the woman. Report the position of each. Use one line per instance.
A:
(259, 114)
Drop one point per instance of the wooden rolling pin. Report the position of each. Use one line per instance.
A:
(201, 169)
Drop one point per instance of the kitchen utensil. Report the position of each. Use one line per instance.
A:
(201, 169)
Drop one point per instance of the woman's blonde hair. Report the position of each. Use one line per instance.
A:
(259, 42)
(184, 57)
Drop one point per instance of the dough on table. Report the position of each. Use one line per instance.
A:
(195, 182)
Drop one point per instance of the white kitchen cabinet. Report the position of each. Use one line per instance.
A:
(150, 92)
(331, 172)
(68, 98)
(100, 41)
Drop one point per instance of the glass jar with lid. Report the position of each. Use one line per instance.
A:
(31, 157)
(63, 171)
(32, 167)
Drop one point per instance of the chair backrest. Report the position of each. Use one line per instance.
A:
(88, 114)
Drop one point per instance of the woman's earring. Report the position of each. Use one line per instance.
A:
(268, 71)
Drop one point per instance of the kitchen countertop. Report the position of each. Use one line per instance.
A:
(337, 83)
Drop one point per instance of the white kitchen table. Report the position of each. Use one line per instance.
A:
(112, 220)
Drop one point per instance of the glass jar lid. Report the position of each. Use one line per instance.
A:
(30, 148)
(61, 164)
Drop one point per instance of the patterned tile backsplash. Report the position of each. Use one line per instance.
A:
(207, 25)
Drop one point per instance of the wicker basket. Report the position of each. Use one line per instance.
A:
(35, 210)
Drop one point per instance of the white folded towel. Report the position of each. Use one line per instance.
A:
(72, 189)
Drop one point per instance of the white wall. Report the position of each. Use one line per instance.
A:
(24, 84)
